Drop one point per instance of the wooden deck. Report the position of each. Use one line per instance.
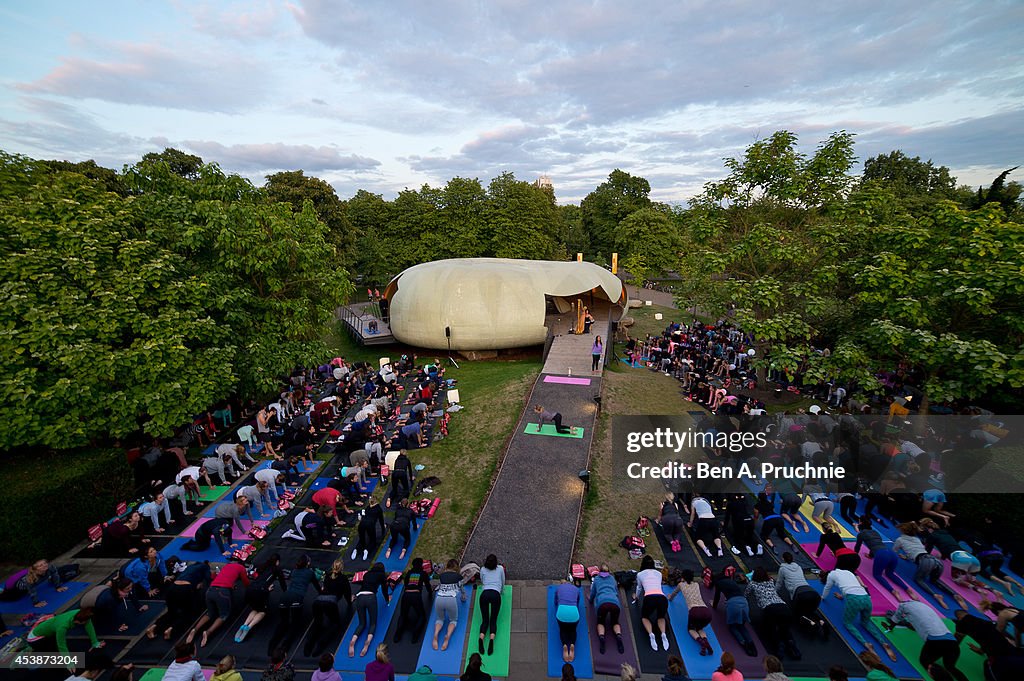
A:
(357, 319)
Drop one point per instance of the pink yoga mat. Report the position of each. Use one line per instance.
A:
(568, 380)
(971, 596)
(881, 600)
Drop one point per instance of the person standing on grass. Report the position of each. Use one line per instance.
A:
(596, 351)
(554, 418)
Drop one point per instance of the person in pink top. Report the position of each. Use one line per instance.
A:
(218, 600)
(727, 669)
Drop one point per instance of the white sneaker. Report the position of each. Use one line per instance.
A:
(720, 554)
(654, 642)
(750, 551)
(664, 640)
(707, 552)
(736, 550)
(760, 549)
(366, 554)
(354, 553)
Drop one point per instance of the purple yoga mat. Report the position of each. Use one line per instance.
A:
(611, 662)
(190, 531)
(881, 600)
(568, 380)
(970, 595)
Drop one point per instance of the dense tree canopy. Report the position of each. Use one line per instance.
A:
(611, 203)
(135, 312)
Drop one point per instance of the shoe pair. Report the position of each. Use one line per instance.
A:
(243, 631)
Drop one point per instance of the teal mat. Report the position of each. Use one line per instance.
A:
(549, 429)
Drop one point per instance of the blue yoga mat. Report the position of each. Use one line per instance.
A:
(393, 563)
(583, 665)
(697, 666)
(447, 661)
(54, 599)
(211, 554)
(385, 611)
(832, 609)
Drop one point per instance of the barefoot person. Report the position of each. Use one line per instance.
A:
(856, 608)
(446, 604)
(554, 418)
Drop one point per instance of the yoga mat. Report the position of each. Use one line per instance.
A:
(136, 621)
(549, 429)
(191, 530)
(211, 554)
(905, 569)
(611, 661)
(909, 644)
(807, 510)
(385, 611)
(447, 662)
(881, 600)
(406, 651)
(832, 608)
(155, 674)
(651, 661)
(697, 666)
(567, 380)
(972, 597)
(582, 664)
(328, 643)
(750, 667)
(54, 599)
(495, 664)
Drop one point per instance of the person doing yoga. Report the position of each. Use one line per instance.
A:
(856, 607)
(604, 596)
(555, 418)
(929, 568)
(885, 560)
(654, 604)
(366, 606)
(705, 525)
(405, 518)
(449, 594)
(492, 581)
(699, 614)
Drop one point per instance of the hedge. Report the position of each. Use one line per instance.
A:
(50, 499)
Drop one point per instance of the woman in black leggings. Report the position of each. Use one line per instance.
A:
(492, 580)
(372, 517)
(326, 610)
(366, 606)
(290, 607)
(416, 582)
(404, 519)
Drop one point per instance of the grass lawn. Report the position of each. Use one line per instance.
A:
(493, 395)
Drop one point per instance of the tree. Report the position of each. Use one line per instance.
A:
(108, 178)
(178, 162)
(1008, 196)
(295, 188)
(647, 238)
(609, 204)
(918, 185)
(522, 219)
(942, 294)
(572, 233)
(762, 244)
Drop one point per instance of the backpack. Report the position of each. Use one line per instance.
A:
(643, 526)
(631, 542)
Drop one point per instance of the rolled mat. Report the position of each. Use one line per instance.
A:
(45, 592)
(447, 662)
(697, 666)
(406, 651)
(651, 661)
(909, 644)
(495, 664)
(385, 611)
(611, 661)
(549, 429)
(582, 664)
(881, 600)
(832, 609)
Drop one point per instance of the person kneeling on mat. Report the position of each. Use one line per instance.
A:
(289, 609)
(492, 583)
(312, 527)
(555, 419)
(405, 518)
(367, 530)
(699, 614)
(214, 529)
(731, 585)
(52, 634)
(777, 616)
(415, 582)
(448, 596)
(705, 525)
(654, 606)
(257, 594)
(366, 606)
(856, 607)
(939, 642)
(791, 583)
(218, 601)
(567, 614)
(604, 596)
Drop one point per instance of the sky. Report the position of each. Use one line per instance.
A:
(387, 96)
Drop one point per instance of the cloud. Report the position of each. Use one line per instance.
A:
(152, 75)
(242, 21)
(277, 156)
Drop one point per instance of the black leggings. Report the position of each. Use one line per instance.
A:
(559, 428)
(743, 534)
(412, 602)
(567, 633)
(289, 611)
(326, 621)
(367, 536)
(490, 604)
(947, 651)
(609, 612)
(181, 609)
(400, 531)
(366, 611)
(848, 509)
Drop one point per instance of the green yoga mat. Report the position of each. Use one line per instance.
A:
(156, 674)
(213, 493)
(496, 664)
(909, 644)
(549, 429)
